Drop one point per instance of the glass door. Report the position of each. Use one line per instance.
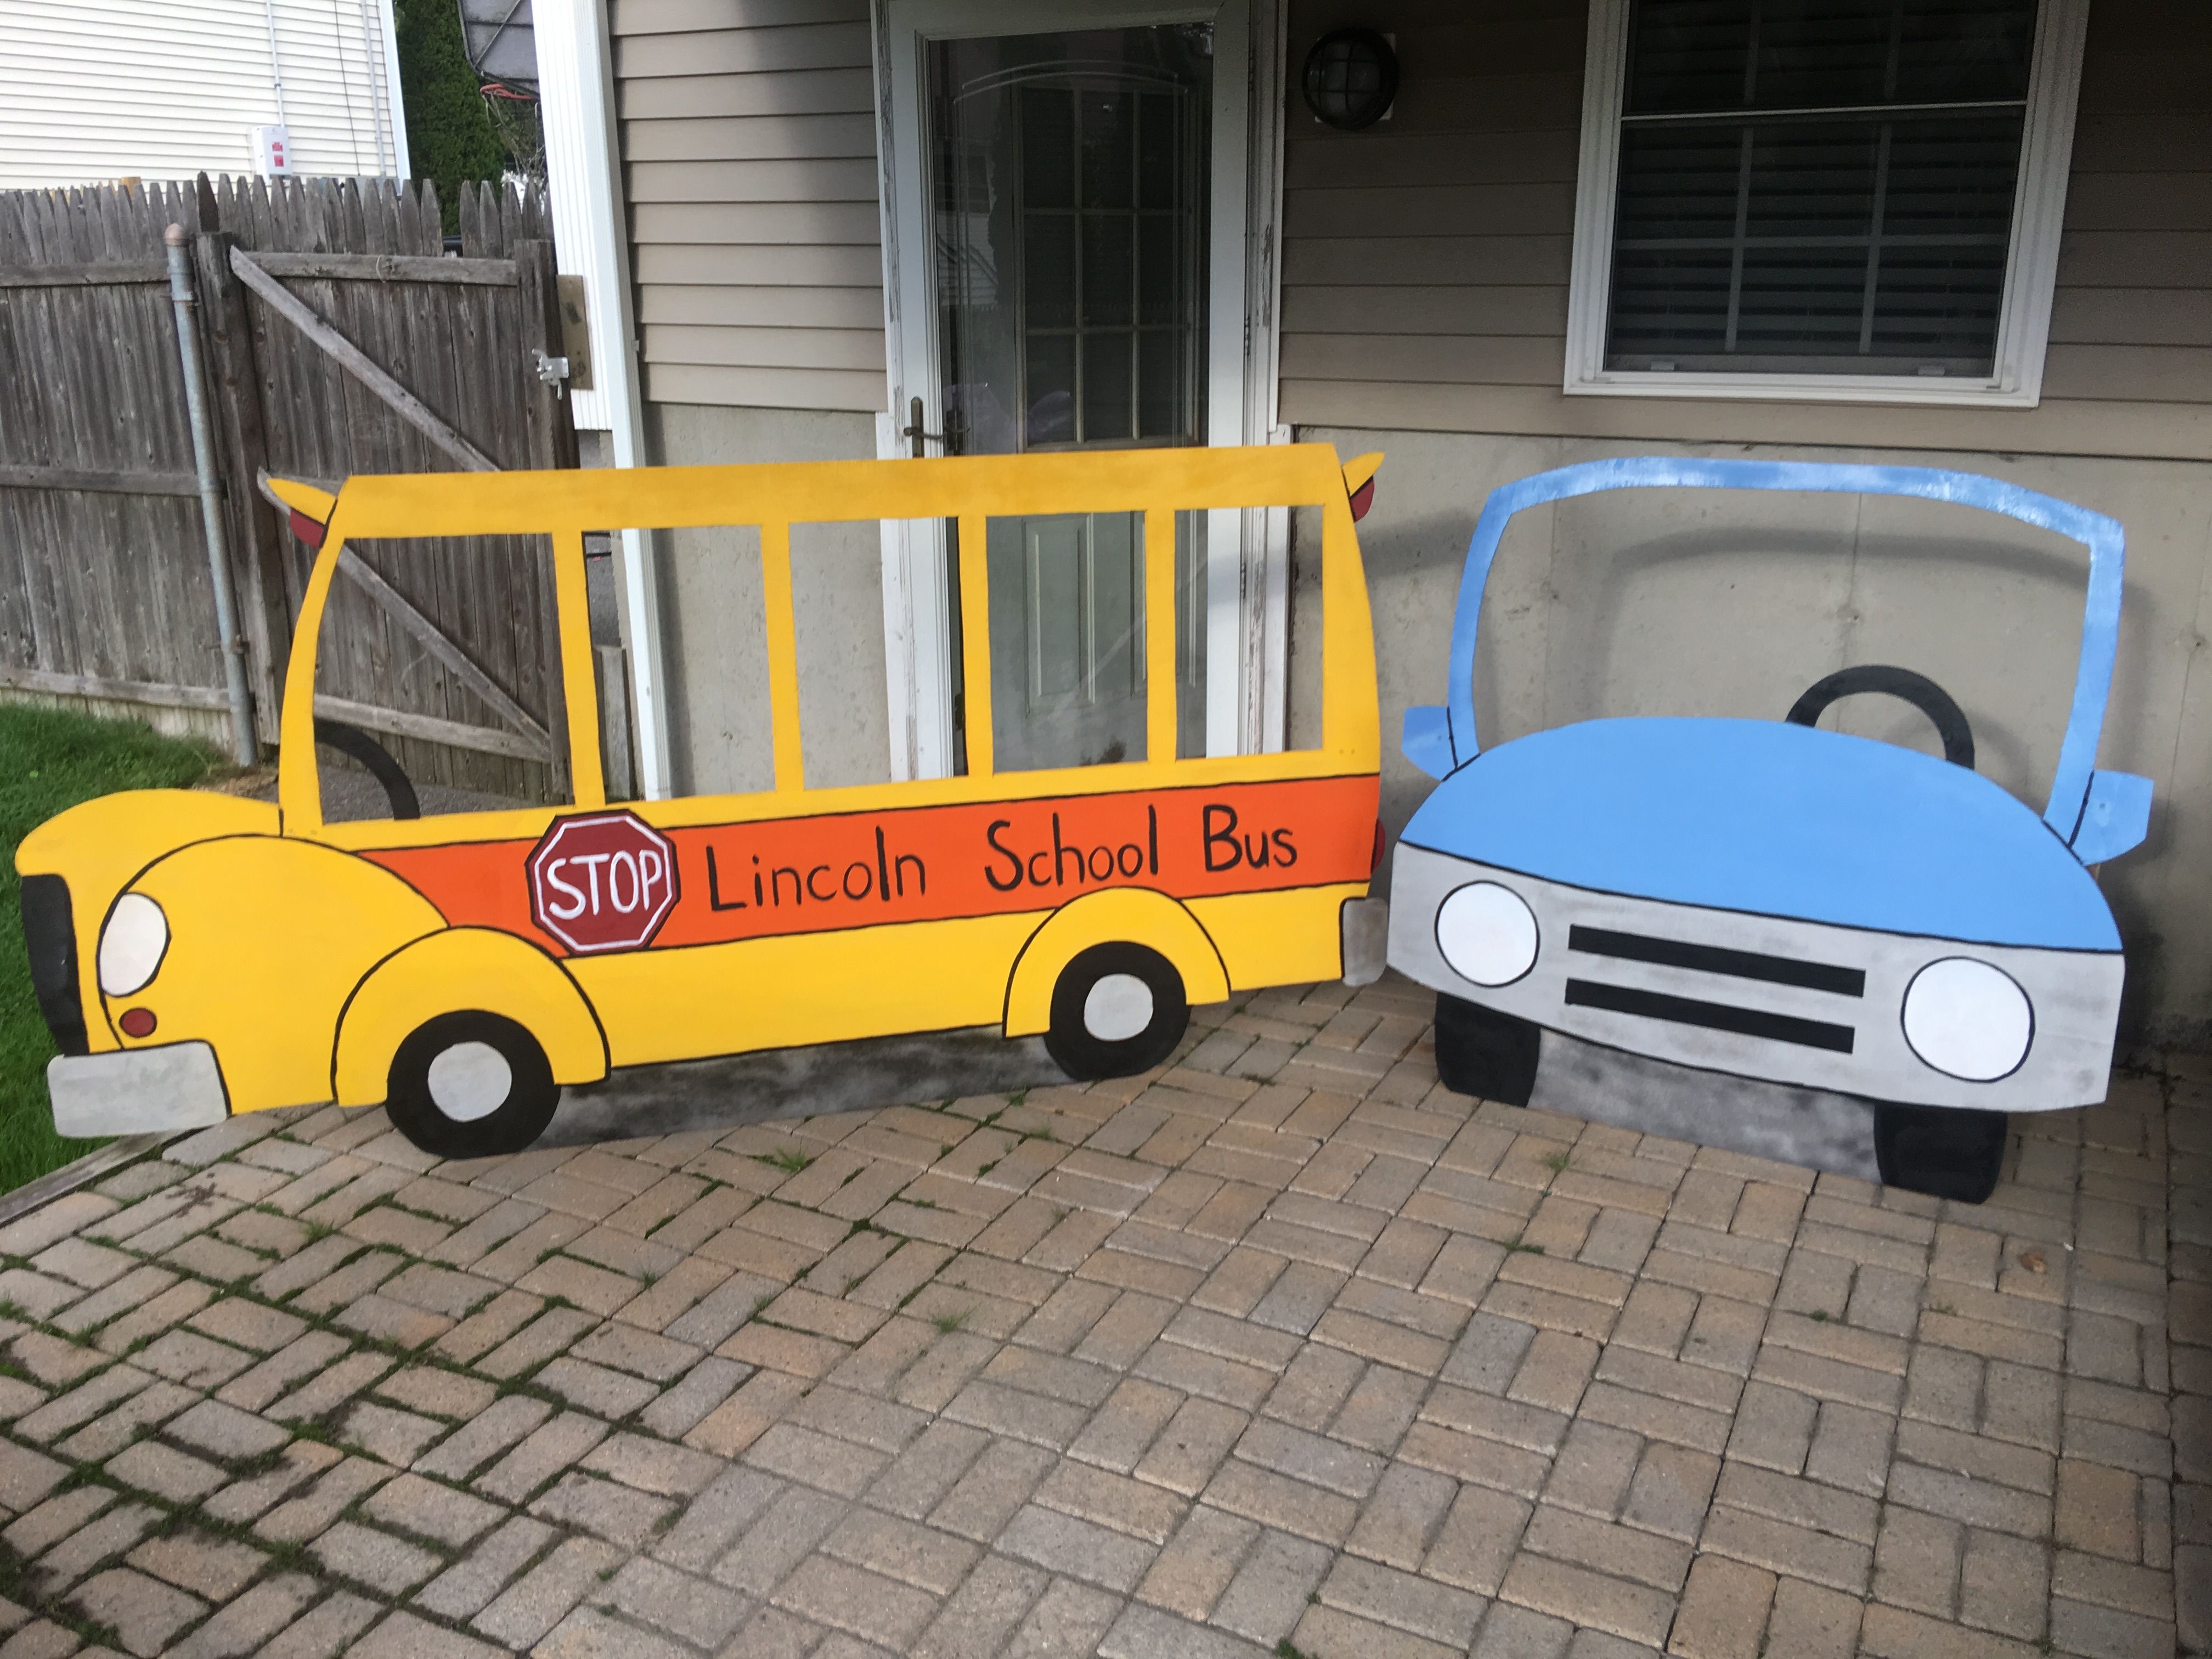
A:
(1065, 239)
(1069, 188)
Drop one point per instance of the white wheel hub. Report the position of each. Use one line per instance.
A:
(470, 1080)
(1118, 1007)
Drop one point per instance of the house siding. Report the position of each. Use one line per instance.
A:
(1426, 260)
(103, 89)
(1425, 268)
(749, 161)
(1425, 310)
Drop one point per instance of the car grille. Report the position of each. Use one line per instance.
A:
(1761, 1023)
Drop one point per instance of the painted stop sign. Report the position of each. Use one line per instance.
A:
(603, 881)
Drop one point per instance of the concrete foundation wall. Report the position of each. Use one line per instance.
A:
(1732, 603)
(716, 632)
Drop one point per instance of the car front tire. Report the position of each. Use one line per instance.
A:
(1484, 1052)
(472, 1084)
(1944, 1151)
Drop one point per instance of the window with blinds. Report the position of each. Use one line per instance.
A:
(1817, 186)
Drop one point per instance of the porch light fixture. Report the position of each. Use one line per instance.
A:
(1351, 79)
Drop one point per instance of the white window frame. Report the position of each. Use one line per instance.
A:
(2030, 261)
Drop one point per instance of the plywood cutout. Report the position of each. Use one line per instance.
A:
(1769, 901)
(614, 969)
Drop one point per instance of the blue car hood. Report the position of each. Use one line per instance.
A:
(1776, 819)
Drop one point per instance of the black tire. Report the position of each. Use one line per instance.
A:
(1484, 1052)
(1944, 1151)
(1931, 698)
(497, 1124)
(1082, 1052)
(353, 742)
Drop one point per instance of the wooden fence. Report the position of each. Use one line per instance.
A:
(340, 337)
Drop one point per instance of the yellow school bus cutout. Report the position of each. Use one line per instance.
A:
(199, 955)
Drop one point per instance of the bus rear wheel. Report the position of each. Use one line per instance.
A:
(471, 1084)
(1484, 1052)
(1944, 1151)
(1117, 1009)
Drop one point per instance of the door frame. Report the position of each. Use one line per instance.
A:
(1246, 584)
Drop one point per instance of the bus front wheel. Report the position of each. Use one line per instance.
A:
(472, 1084)
(1484, 1052)
(1116, 1010)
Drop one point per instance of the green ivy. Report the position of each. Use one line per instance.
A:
(450, 136)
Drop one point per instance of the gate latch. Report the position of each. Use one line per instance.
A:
(551, 370)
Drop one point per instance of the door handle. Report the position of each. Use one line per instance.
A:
(916, 431)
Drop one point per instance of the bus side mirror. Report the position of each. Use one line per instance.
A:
(1427, 741)
(2115, 818)
(1359, 482)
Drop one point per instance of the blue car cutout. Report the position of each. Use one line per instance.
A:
(1773, 901)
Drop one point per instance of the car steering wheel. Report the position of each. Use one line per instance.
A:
(355, 744)
(1922, 693)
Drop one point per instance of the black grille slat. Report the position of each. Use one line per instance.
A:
(1717, 959)
(50, 940)
(1711, 1016)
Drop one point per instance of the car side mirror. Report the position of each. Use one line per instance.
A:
(1427, 741)
(2115, 818)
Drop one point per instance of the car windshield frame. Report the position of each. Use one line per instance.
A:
(2102, 536)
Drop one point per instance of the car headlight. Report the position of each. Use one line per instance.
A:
(1487, 933)
(1968, 1019)
(131, 944)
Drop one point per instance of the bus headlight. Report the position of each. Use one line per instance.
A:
(1968, 1019)
(132, 944)
(1487, 933)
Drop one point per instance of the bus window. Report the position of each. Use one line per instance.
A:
(437, 679)
(838, 631)
(1302, 723)
(611, 667)
(1067, 639)
(1069, 662)
(721, 738)
(1190, 634)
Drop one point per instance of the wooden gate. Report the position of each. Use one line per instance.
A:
(340, 338)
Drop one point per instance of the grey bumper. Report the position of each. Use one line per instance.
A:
(1365, 924)
(176, 1086)
(2076, 994)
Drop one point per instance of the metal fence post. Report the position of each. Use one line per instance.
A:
(247, 751)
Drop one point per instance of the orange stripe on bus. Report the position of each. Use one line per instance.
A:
(804, 875)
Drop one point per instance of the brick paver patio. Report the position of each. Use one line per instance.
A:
(1285, 1351)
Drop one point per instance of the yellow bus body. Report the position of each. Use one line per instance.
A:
(304, 954)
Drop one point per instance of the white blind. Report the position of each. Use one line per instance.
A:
(1817, 186)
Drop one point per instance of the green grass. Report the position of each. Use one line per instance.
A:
(51, 759)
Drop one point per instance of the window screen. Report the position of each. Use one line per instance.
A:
(1820, 186)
